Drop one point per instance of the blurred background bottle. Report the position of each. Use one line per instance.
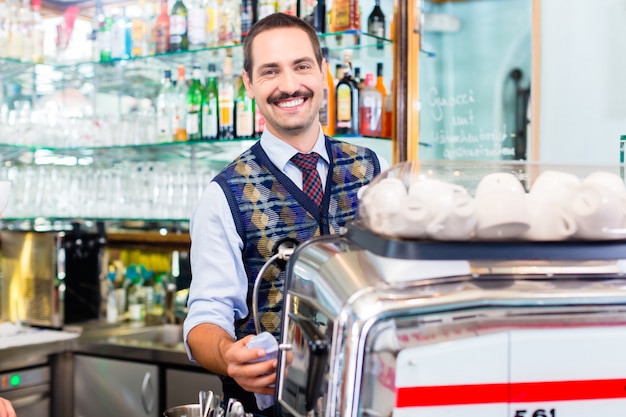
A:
(165, 108)
(327, 109)
(370, 108)
(162, 30)
(179, 40)
(195, 95)
(314, 12)
(179, 124)
(210, 106)
(376, 23)
(226, 100)
(197, 25)
(244, 112)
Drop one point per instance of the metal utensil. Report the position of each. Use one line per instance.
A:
(202, 401)
(208, 404)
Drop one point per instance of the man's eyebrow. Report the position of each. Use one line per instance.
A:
(270, 65)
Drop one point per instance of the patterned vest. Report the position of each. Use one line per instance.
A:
(268, 207)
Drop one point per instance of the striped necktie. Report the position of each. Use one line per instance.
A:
(311, 181)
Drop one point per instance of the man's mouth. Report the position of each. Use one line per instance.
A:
(288, 104)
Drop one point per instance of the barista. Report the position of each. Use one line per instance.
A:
(6, 408)
(263, 197)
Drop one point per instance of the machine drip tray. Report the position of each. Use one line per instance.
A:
(484, 250)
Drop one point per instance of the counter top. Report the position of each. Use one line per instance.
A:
(157, 344)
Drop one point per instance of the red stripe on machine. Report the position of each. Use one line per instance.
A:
(517, 392)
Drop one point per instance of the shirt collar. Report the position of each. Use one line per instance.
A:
(280, 152)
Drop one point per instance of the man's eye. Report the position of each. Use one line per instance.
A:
(268, 72)
(303, 67)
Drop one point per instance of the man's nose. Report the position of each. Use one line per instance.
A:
(289, 82)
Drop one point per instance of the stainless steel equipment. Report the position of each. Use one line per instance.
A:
(378, 326)
(28, 390)
(52, 278)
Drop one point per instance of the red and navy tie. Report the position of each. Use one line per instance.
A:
(311, 182)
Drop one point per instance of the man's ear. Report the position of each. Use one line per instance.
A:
(247, 83)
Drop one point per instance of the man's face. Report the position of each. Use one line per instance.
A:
(286, 82)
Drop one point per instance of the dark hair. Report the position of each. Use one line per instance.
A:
(275, 21)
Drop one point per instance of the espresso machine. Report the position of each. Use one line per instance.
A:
(52, 278)
(378, 325)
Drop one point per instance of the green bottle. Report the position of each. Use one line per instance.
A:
(195, 96)
(244, 113)
(178, 27)
(210, 106)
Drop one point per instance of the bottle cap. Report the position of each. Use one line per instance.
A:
(369, 80)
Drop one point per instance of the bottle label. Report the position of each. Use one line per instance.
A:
(344, 106)
(245, 121)
(193, 121)
(197, 28)
(209, 121)
(178, 26)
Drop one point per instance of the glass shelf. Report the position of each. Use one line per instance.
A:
(353, 39)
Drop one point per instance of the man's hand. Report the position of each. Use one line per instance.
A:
(6, 408)
(253, 377)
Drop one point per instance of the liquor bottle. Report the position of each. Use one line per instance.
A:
(360, 82)
(314, 12)
(259, 122)
(244, 113)
(15, 34)
(345, 15)
(179, 40)
(380, 86)
(338, 73)
(38, 33)
(370, 108)
(210, 106)
(140, 34)
(388, 116)
(327, 109)
(165, 108)
(97, 22)
(120, 35)
(229, 28)
(197, 25)
(26, 24)
(162, 30)
(248, 16)
(179, 123)
(376, 23)
(211, 9)
(104, 39)
(347, 106)
(266, 8)
(195, 95)
(226, 100)
(288, 7)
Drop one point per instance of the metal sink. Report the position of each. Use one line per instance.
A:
(166, 334)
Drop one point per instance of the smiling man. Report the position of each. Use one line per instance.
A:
(293, 183)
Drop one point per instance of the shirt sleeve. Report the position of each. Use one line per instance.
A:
(219, 284)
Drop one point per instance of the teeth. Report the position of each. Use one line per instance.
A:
(290, 103)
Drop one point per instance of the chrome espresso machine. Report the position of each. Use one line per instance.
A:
(379, 324)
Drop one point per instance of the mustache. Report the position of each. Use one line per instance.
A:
(285, 96)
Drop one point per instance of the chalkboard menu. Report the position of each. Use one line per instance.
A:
(474, 83)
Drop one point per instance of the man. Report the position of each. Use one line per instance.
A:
(6, 408)
(260, 199)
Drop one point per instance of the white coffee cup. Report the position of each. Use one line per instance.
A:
(557, 187)
(612, 181)
(502, 214)
(598, 212)
(382, 204)
(499, 181)
(413, 218)
(549, 222)
(452, 211)
(5, 194)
